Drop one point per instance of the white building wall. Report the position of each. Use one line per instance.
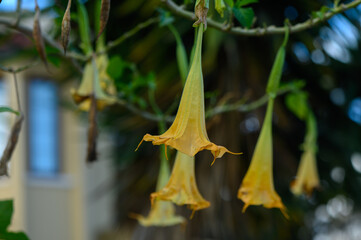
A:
(63, 207)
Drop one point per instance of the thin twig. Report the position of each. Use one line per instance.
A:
(10, 146)
(20, 69)
(243, 107)
(129, 34)
(14, 134)
(50, 41)
(261, 31)
(239, 106)
(18, 12)
(17, 92)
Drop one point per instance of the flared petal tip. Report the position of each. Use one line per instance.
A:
(298, 188)
(219, 151)
(84, 101)
(156, 140)
(194, 204)
(151, 221)
(270, 200)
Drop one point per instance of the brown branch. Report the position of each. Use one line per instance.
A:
(129, 34)
(92, 132)
(239, 106)
(20, 69)
(10, 147)
(269, 30)
(47, 39)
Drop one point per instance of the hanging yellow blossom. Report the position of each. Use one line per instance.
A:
(94, 81)
(188, 132)
(181, 187)
(162, 212)
(257, 186)
(307, 177)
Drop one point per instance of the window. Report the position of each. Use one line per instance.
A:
(10, 5)
(43, 128)
(4, 117)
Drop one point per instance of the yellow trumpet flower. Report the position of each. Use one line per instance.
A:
(94, 81)
(307, 177)
(181, 187)
(257, 187)
(188, 132)
(162, 212)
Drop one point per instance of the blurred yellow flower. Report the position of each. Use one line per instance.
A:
(307, 177)
(162, 212)
(94, 81)
(181, 187)
(257, 186)
(188, 132)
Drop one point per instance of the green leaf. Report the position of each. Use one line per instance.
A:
(6, 211)
(241, 3)
(203, 3)
(182, 58)
(297, 103)
(294, 85)
(53, 56)
(84, 28)
(55, 60)
(320, 13)
(244, 16)
(276, 72)
(220, 7)
(229, 3)
(166, 17)
(7, 109)
(116, 67)
(13, 236)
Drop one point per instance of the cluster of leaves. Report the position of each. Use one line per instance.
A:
(8, 109)
(6, 210)
(238, 8)
(130, 83)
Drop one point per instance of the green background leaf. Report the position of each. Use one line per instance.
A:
(8, 109)
(6, 211)
(241, 3)
(297, 103)
(13, 236)
(244, 16)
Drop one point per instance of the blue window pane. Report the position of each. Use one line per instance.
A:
(43, 128)
(4, 117)
(10, 5)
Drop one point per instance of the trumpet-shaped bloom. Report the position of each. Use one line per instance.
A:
(181, 187)
(257, 187)
(94, 80)
(188, 132)
(162, 212)
(307, 176)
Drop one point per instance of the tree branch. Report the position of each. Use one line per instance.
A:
(130, 33)
(50, 41)
(269, 30)
(239, 106)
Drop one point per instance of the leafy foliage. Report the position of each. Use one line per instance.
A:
(6, 210)
(244, 15)
(8, 109)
